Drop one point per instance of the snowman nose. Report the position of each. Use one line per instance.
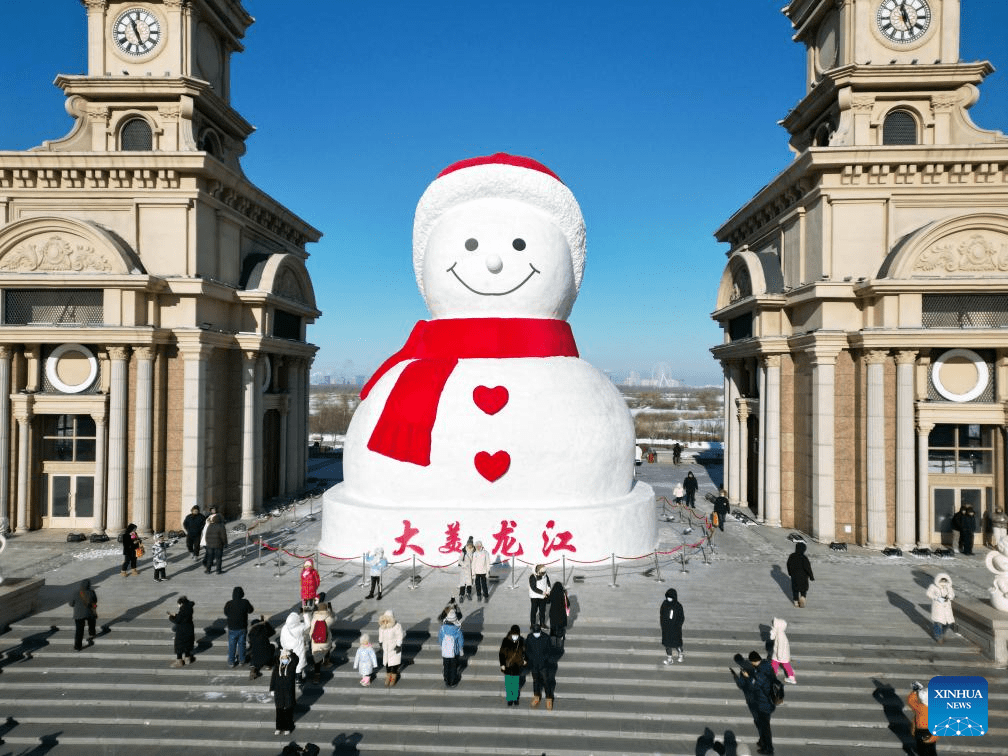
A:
(494, 263)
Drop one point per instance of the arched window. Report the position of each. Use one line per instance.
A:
(136, 135)
(210, 144)
(899, 128)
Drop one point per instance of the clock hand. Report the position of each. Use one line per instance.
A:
(905, 15)
(136, 30)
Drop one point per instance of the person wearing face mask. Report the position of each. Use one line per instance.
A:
(537, 651)
(284, 690)
(512, 660)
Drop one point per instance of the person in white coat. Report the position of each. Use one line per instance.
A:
(941, 594)
(292, 638)
(480, 568)
(781, 650)
(390, 638)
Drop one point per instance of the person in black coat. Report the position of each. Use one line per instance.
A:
(558, 615)
(85, 609)
(193, 524)
(512, 661)
(541, 666)
(185, 633)
(671, 616)
(283, 686)
(800, 571)
(261, 651)
(130, 541)
(690, 486)
(756, 679)
(237, 611)
(965, 522)
(721, 508)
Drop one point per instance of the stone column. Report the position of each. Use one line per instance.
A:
(771, 439)
(5, 424)
(302, 442)
(251, 424)
(98, 525)
(282, 451)
(761, 448)
(743, 451)
(905, 462)
(875, 431)
(923, 490)
(195, 358)
(291, 423)
(731, 450)
(23, 417)
(142, 429)
(823, 448)
(118, 387)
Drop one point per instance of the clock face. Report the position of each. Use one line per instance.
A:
(903, 21)
(137, 31)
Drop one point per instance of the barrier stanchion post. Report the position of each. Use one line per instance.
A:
(682, 558)
(613, 583)
(563, 568)
(413, 582)
(513, 562)
(363, 576)
(657, 569)
(278, 562)
(259, 555)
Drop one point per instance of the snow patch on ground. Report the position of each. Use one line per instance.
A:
(98, 553)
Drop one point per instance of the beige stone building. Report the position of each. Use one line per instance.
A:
(153, 301)
(865, 298)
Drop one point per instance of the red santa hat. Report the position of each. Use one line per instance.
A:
(508, 177)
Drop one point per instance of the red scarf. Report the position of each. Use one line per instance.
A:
(404, 428)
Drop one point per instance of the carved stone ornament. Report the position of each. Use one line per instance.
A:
(741, 285)
(975, 254)
(997, 563)
(289, 287)
(56, 254)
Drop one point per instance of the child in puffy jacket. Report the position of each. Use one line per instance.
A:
(365, 661)
(309, 585)
(781, 650)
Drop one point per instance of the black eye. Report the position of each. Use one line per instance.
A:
(471, 244)
(518, 244)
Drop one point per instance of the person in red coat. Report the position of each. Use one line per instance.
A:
(309, 585)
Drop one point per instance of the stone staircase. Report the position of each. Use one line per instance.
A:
(614, 695)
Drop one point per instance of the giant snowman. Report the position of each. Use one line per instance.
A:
(486, 423)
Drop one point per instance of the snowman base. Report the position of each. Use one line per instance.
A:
(533, 531)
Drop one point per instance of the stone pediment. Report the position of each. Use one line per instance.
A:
(63, 246)
(965, 254)
(971, 246)
(283, 275)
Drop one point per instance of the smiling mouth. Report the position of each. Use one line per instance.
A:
(492, 293)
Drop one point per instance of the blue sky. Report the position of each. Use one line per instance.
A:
(660, 116)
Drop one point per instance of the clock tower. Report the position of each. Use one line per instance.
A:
(869, 58)
(154, 301)
(864, 303)
(162, 70)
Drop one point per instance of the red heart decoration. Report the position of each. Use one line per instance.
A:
(492, 466)
(490, 400)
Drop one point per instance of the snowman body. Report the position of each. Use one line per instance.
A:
(530, 449)
(563, 429)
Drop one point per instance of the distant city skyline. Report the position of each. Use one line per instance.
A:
(661, 119)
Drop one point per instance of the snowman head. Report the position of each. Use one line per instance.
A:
(498, 236)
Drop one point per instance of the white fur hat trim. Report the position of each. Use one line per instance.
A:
(506, 177)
